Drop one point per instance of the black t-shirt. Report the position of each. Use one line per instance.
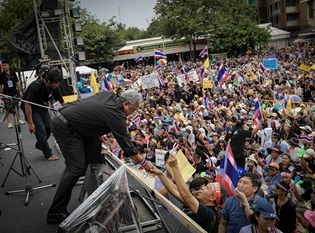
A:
(238, 137)
(38, 93)
(9, 83)
(97, 115)
(207, 218)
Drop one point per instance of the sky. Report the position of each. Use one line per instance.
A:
(133, 13)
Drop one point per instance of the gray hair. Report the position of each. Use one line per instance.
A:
(130, 96)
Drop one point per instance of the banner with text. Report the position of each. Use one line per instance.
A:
(149, 81)
(159, 157)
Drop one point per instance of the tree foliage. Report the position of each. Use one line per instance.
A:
(185, 19)
(229, 25)
(236, 28)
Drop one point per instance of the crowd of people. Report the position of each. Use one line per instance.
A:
(265, 116)
(276, 149)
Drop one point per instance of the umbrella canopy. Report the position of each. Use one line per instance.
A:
(84, 69)
(161, 61)
(297, 41)
(104, 70)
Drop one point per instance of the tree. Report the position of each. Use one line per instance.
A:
(190, 20)
(154, 29)
(237, 28)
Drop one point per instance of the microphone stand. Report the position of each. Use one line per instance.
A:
(25, 164)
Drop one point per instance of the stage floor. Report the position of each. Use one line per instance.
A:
(18, 218)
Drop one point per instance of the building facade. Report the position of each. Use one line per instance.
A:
(295, 16)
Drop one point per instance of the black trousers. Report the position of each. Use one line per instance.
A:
(78, 152)
(240, 162)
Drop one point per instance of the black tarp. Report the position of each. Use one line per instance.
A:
(24, 38)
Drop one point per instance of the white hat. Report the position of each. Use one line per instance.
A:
(309, 153)
(212, 126)
(202, 106)
(306, 128)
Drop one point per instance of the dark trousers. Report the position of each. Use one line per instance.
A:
(42, 122)
(240, 162)
(78, 152)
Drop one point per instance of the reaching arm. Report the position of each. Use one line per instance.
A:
(188, 198)
(255, 130)
(168, 184)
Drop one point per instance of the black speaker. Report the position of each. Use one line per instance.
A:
(66, 87)
(53, 27)
(49, 5)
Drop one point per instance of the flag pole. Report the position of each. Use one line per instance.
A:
(154, 58)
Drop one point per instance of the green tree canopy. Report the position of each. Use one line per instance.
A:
(230, 26)
(185, 19)
(237, 28)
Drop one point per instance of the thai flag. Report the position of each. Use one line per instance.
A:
(136, 119)
(139, 58)
(158, 67)
(206, 101)
(201, 74)
(228, 174)
(204, 52)
(301, 55)
(262, 67)
(161, 81)
(159, 54)
(175, 69)
(185, 69)
(306, 139)
(107, 85)
(176, 146)
(195, 113)
(258, 113)
(223, 75)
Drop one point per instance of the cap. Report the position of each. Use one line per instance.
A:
(255, 147)
(266, 209)
(283, 185)
(275, 165)
(306, 128)
(309, 153)
(275, 148)
(252, 159)
(276, 135)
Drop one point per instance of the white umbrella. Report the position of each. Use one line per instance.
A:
(84, 69)
(296, 98)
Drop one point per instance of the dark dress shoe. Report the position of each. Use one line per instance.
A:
(56, 218)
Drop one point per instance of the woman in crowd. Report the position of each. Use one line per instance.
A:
(285, 209)
(263, 220)
(286, 162)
